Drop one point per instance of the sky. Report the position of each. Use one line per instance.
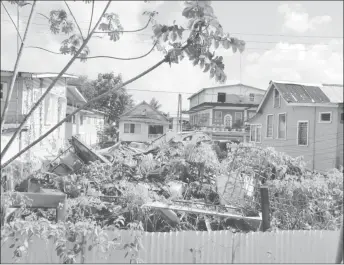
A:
(296, 41)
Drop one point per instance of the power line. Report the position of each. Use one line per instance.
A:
(250, 34)
(238, 33)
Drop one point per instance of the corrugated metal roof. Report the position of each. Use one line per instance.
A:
(333, 92)
(297, 93)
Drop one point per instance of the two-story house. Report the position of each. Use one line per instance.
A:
(223, 110)
(302, 120)
(28, 88)
(143, 123)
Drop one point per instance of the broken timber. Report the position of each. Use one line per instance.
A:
(57, 200)
(158, 205)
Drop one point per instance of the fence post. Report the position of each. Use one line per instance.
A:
(264, 200)
(339, 256)
(61, 211)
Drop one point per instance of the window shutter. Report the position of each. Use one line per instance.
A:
(269, 126)
(282, 126)
(259, 134)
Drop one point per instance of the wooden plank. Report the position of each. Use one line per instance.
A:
(264, 194)
(40, 200)
(158, 205)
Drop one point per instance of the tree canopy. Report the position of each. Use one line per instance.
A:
(114, 105)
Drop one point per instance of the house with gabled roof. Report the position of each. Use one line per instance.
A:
(302, 120)
(142, 123)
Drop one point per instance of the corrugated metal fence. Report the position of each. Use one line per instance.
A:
(206, 247)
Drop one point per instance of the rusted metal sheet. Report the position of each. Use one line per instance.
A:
(295, 93)
(86, 153)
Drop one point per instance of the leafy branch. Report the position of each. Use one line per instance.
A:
(70, 11)
(104, 26)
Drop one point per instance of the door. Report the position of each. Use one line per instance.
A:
(228, 120)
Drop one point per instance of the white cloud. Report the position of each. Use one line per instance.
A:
(298, 20)
(297, 62)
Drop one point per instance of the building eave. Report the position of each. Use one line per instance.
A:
(329, 105)
(210, 105)
(37, 75)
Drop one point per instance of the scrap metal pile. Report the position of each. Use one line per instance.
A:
(168, 187)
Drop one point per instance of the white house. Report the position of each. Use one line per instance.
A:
(142, 123)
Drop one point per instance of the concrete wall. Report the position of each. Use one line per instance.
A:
(320, 153)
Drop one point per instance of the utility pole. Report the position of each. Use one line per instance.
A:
(179, 114)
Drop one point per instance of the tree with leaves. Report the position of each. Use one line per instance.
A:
(155, 103)
(198, 41)
(114, 105)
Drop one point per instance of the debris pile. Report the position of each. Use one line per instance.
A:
(171, 186)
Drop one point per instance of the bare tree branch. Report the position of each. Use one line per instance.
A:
(70, 11)
(14, 24)
(43, 15)
(36, 47)
(89, 27)
(126, 31)
(166, 59)
(99, 56)
(16, 66)
(53, 83)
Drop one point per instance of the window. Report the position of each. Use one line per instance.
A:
(251, 97)
(132, 128)
(81, 119)
(325, 117)
(269, 126)
(256, 133)
(277, 99)
(238, 117)
(155, 129)
(221, 97)
(218, 116)
(3, 91)
(282, 126)
(302, 133)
